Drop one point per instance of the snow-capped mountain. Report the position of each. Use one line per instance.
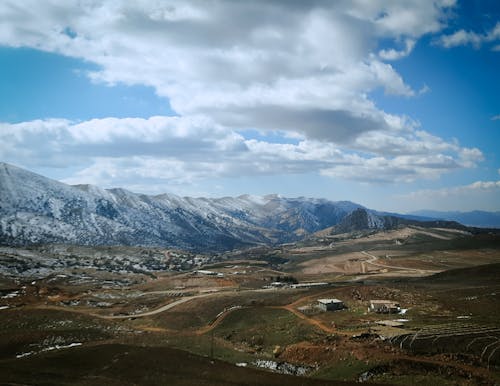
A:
(35, 209)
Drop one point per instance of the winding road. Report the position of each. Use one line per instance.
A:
(372, 260)
(156, 311)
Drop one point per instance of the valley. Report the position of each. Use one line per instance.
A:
(225, 193)
(136, 315)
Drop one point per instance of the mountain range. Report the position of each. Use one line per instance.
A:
(35, 209)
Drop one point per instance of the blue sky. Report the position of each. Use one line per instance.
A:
(394, 106)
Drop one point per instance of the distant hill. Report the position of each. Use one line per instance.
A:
(479, 274)
(363, 219)
(476, 218)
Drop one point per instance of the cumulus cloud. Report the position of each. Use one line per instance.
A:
(479, 195)
(183, 150)
(302, 69)
(477, 186)
(475, 39)
(396, 169)
(393, 54)
(51, 141)
(461, 38)
(235, 59)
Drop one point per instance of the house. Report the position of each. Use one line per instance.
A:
(278, 284)
(384, 306)
(310, 285)
(205, 272)
(330, 304)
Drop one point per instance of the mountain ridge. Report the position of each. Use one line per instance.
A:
(362, 219)
(474, 218)
(36, 209)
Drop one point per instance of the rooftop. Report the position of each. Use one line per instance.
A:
(329, 301)
(383, 301)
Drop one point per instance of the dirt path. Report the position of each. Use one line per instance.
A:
(372, 260)
(156, 311)
(289, 307)
(174, 304)
(217, 321)
(292, 307)
(313, 322)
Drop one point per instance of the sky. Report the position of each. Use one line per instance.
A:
(391, 104)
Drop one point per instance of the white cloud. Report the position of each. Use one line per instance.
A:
(177, 151)
(478, 186)
(302, 69)
(235, 60)
(48, 142)
(411, 18)
(495, 117)
(463, 38)
(397, 169)
(392, 54)
(479, 195)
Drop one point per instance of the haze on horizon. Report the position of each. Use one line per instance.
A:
(394, 106)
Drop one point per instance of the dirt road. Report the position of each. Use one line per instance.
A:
(372, 260)
(156, 311)
(173, 304)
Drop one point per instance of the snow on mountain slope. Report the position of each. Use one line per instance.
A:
(35, 209)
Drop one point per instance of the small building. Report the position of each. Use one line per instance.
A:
(330, 304)
(278, 284)
(310, 285)
(205, 272)
(384, 306)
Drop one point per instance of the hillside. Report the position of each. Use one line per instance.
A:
(476, 275)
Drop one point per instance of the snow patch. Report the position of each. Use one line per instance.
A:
(50, 348)
(282, 367)
(10, 295)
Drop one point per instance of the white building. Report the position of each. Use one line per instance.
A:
(384, 306)
(330, 304)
